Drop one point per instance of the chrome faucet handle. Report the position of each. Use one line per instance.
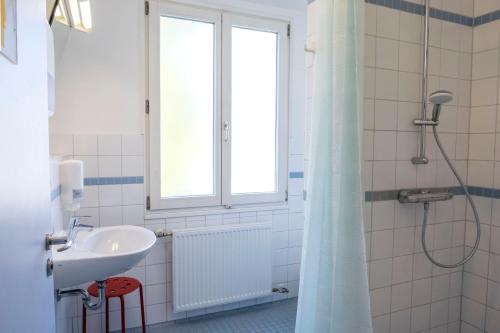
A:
(66, 246)
(73, 222)
(88, 226)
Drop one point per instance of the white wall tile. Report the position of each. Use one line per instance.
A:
(480, 173)
(133, 144)
(387, 53)
(132, 166)
(383, 215)
(369, 86)
(482, 7)
(420, 318)
(384, 145)
(384, 175)
(381, 244)
(450, 32)
(370, 49)
(401, 297)
(401, 321)
(483, 119)
(110, 144)
(492, 320)
(473, 312)
(133, 194)
(381, 324)
(407, 112)
(133, 215)
(439, 313)
(404, 239)
(409, 87)
(421, 290)
(385, 115)
(410, 29)
(484, 92)
(370, 19)
(85, 144)
(387, 22)
(110, 216)
(485, 64)
(380, 301)
(110, 195)
(110, 166)
(450, 63)
(386, 84)
(380, 273)
(407, 145)
(402, 269)
(475, 287)
(409, 57)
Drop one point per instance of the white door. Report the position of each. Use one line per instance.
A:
(26, 293)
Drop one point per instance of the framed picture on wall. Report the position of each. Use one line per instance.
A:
(8, 29)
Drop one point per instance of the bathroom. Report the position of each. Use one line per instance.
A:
(339, 213)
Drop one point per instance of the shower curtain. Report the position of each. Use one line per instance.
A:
(334, 296)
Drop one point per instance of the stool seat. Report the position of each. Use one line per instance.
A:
(116, 287)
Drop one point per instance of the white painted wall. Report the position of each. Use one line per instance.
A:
(100, 75)
(26, 292)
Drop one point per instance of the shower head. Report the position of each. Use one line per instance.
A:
(438, 98)
(441, 97)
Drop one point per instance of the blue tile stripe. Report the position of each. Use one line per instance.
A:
(418, 9)
(388, 195)
(55, 193)
(485, 192)
(410, 7)
(296, 175)
(94, 181)
(113, 181)
(487, 18)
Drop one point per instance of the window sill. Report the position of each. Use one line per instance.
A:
(186, 212)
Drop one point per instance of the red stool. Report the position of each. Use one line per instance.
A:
(116, 287)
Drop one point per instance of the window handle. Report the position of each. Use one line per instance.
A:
(226, 131)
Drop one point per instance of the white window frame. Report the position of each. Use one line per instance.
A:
(280, 28)
(223, 22)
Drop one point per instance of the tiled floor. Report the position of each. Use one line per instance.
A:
(264, 318)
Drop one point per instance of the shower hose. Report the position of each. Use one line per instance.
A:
(472, 204)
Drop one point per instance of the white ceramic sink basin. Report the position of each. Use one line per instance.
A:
(101, 253)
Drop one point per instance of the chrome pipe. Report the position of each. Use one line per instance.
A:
(87, 301)
(422, 195)
(281, 290)
(421, 159)
(163, 234)
(423, 123)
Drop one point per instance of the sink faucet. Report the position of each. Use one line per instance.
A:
(73, 227)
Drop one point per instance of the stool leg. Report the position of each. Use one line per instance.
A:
(107, 315)
(142, 309)
(84, 319)
(122, 302)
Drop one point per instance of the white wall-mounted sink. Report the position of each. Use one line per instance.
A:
(101, 253)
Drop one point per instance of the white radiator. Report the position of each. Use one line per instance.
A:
(219, 265)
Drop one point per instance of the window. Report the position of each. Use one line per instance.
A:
(218, 101)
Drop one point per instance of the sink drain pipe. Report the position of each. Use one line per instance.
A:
(87, 301)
